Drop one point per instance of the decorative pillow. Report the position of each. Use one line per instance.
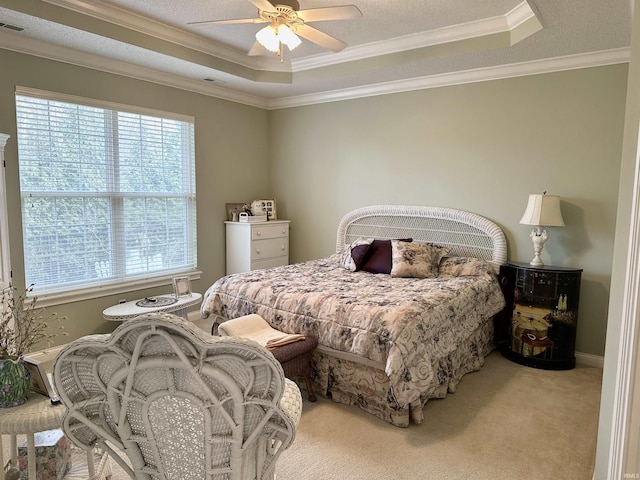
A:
(378, 259)
(418, 260)
(355, 254)
(464, 266)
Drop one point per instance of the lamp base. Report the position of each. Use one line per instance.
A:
(536, 262)
(538, 237)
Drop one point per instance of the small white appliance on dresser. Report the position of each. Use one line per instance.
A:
(252, 246)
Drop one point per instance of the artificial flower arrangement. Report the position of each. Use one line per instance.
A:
(22, 326)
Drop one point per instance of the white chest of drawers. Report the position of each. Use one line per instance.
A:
(252, 246)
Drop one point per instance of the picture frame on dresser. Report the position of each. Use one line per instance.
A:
(233, 211)
(269, 206)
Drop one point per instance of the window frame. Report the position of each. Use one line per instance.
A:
(124, 284)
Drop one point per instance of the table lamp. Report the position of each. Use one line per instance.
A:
(542, 211)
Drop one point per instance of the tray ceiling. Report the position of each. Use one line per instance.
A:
(394, 46)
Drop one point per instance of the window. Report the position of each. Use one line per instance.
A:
(108, 192)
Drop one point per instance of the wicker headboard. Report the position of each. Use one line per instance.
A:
(468, 234)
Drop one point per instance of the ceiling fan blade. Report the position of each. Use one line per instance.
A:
(227, 22)
(264, 5)
(330, 13)
(320, 38)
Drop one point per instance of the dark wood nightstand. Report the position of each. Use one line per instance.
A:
(537, 328)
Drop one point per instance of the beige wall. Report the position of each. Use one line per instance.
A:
(231, 162)
(480, 147)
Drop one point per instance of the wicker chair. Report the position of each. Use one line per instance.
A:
(177, 402)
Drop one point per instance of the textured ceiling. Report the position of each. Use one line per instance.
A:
(394, 41)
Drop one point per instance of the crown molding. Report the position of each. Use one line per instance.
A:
(454, 33)
(519, 14)
(438, 36)
(10, 41)
(162, 31)
(536, 67)
(29, 46)
(141, 24)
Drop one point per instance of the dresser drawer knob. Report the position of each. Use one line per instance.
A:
(258, 251)
(284, 231)
(258, 233)
(282, 248)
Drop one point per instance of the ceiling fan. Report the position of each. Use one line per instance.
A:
(286, 23)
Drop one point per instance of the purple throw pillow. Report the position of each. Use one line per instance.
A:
(378, 258)
(359, 255)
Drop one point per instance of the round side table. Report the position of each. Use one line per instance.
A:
(127, 310)
(36, 415)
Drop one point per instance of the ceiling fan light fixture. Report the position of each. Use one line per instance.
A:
(268, 39)
(286, 36)
(287, 25)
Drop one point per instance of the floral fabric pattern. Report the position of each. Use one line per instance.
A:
(408, 325)
(416, 259)
(463, 266)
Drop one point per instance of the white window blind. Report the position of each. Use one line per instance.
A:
(108, 193)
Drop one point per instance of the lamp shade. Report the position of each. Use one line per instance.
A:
(543, 210)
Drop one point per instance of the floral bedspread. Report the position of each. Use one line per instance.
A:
(407, 324)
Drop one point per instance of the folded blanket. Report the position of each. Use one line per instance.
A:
(257, 329)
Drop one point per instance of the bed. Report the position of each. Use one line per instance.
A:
(386, 343)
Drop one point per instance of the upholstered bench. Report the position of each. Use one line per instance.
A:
(293, 351)
(295, 359)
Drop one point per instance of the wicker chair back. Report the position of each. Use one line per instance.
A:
(169, 401)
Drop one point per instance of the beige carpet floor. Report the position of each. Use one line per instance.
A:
(504, 422)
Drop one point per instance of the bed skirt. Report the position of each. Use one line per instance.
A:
(351, 380)
(367, 387)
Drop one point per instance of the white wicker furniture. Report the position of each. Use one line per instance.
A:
(178, 402)
(38, 415)
(468, 234)
(128, 310)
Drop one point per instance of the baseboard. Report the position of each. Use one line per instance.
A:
(589, 360)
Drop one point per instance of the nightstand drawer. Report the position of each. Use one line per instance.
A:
(273, 247)
(260, 232)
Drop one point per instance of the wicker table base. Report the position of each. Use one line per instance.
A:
(36, 415)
